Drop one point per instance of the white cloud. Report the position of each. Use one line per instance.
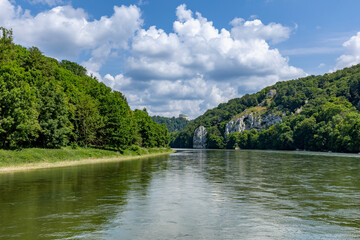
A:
(189, 70)
(200, 63)
(352, 53)
(7, 11)
(65, 32)
(172, 97)
(255, 29)
(117, 82)
(321, 65)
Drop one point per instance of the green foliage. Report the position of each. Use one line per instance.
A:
(88, 120)
(233, 140)
(151, 133)
(215, 142)
(6, 44)
(322, 114)
(181, 139)
(44, 103)
(73, 67)
(19, 124)
(173, 124)
(53, 116)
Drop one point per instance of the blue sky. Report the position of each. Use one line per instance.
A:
(166, 57)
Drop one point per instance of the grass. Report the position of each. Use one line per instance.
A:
(256, 110)
(31, 156)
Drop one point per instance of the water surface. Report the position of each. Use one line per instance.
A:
(192, 194)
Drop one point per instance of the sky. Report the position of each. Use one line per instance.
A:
(173, 56)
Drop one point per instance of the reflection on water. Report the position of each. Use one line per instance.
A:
(192, 194)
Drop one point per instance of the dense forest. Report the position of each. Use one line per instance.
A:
(173, 124)
(50, 104)
(320, 113)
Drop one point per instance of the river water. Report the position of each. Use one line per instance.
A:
(191, 194)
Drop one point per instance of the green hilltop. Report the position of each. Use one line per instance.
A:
(319, 113)
(49, 104)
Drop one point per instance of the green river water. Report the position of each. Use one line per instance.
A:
(191, 194)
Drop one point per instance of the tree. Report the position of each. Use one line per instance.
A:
(6, 44)
(304, 134)
(151, 133)
(232, 140)
(44, 103)
(53, 118)
(73, 67)
(19, 126)
(119, 126)
(88, 120)
(214, 141)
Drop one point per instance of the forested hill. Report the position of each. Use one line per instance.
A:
(46, 103)
(173, 124)
(318, 113)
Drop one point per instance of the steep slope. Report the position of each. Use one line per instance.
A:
(46, 103)
(313, 113)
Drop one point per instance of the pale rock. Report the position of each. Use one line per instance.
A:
(250, 121)
(271, 93)
(199, 139)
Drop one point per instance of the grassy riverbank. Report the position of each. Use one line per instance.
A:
(35, 158)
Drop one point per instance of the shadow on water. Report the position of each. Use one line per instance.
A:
(62, 202)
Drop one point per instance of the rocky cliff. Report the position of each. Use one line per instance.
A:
(199, 139)
(251, 121)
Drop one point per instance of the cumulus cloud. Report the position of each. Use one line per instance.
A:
(7, 11)
(255, 29)
(65, 32)
(169, 98)
(117, 82)
(200, 63)
(352, 53)
(189, 70)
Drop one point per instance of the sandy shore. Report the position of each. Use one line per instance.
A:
(41, 165)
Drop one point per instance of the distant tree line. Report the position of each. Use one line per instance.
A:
(46, 103)
(173, 124)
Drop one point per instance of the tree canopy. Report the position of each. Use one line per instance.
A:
(46, 103)
(173, 124)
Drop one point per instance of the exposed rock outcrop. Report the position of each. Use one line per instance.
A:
(199, 139)
(271, 93)
(250, 121)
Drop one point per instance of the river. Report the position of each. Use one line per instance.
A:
(191, 194)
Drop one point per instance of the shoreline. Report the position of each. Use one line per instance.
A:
(43, 165)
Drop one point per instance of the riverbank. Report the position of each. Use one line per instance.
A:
(37, 158)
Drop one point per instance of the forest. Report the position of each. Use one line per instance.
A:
(50, 104)
(173, 124)
(321, 113)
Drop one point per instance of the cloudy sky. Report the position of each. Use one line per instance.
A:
(174, 56)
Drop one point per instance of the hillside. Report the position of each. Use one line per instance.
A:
(50, 104)
(319, 113)
(173, 124)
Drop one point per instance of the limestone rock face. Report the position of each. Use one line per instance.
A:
(249, 121)
(199, 139)
(271, 93)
